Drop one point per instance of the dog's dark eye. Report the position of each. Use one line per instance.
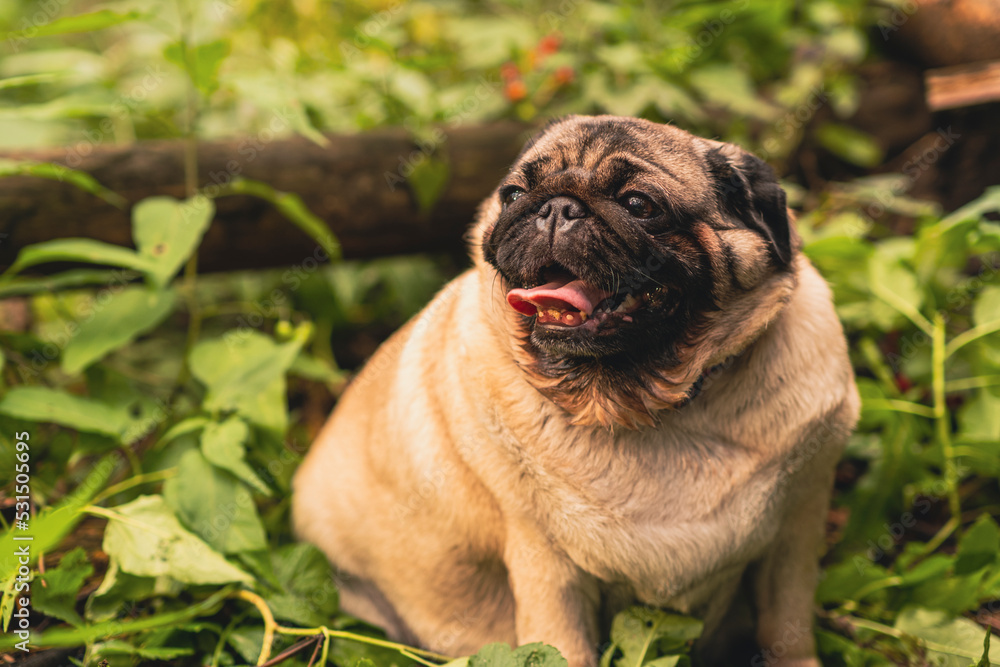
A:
(638, 205)
(510, 194)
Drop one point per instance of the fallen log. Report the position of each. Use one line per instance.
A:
(356, 184)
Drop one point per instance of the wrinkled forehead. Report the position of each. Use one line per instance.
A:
(604, 146)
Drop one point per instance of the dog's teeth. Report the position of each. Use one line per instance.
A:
(629, 302)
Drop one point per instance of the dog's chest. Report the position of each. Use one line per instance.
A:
(659, 510)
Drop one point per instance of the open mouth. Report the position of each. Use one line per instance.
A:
(564, 300)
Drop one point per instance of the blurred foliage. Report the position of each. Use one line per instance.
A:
(167, 410)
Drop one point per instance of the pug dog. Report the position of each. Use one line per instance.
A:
(636, 395)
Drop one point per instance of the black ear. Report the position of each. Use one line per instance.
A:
(748, 190)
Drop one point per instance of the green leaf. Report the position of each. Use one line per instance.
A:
(290, 205)
(974, 210)
(308, 593)
(951, 641)
(75, 637)
(104, 18)
(849, 144)
(986, 309)
(148, 540)
(224, 445)
(167, 231)
(201, 62)
(57, 172)
(122, 647)
(979, 418)
(529, 655)
(64, 280)
(246, 372)
(58, 596)
(126, 316)
(42, 404)
(53, 524)
(214, 505)
(428, 179)
(979, 546)
(895, 283)
(642, 634)
(7, 600)
(77, 250)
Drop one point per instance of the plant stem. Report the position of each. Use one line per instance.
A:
(145, 478)
(271, 627)
(941, 418)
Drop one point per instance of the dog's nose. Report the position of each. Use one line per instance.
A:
(558, 215)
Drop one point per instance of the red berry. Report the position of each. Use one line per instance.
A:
(564, 75)
(549, 44)
(515, 90)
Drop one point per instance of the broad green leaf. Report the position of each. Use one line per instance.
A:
(428, 179)
(529, 655)
(894, 280)
(974, 210)
(26, 80)
(849, 144)
(213, 504)
(42, 404)
(78, 250)
(7, 599)
(962, 637)
(57, 172)
(201, 62)
(148, 540)
(53, 524)
(979, 418)
(167, 231)
(290, 205)
(979, 546)
(932, 567)
(126, 316)
(641, 634)
(122, 647)
(246, 372)
(224, 445)
(66, 279)
(317, 369)
(189, 425)
(986, 309)
(247, 640)
(119, 589)
(58, 596)
(76, 637)
(308, 594)
(953, 594)
(103, 18)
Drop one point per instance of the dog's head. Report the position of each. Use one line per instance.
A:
(623, 246)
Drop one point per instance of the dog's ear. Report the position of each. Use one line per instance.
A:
(749, 191)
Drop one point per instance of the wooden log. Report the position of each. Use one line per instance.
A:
(356, 184)
(963, 85)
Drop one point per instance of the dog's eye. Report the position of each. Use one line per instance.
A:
(510, 194)
(638, 205)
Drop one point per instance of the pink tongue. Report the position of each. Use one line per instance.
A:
(574, 295)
